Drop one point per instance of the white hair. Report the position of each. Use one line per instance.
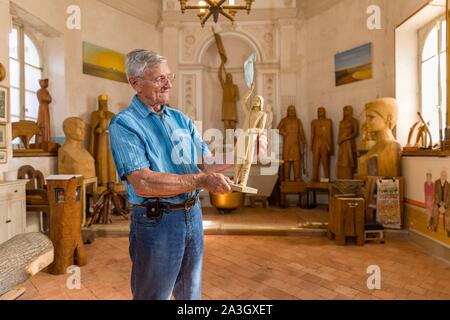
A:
(140, 60)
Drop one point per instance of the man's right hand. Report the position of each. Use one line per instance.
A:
(215, 183)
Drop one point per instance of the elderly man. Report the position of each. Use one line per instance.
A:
(156, 150)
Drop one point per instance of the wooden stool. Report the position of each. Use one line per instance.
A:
(288, 187)
(347, 220)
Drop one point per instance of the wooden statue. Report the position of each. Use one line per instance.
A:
(441, 202)
(429, 191)
(73, 158)
(44, 99)
(100, 146)
(254, 124)
(322, 144)
(384, 158)
(347, 158)
(294, 144)
(65, 224)
(231, 94)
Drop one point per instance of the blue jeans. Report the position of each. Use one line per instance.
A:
(167, 255)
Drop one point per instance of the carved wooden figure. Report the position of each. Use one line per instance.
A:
(73, 158)
(384, 158)
(322, 144)
(255, 122)
(100, 146)
(441, 202)
(347, 158)
(294, 144)
(65, 224)
(44, 124)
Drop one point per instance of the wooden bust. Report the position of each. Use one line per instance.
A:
(73, 158)
(347, 158)
(294, 144)
(100, 146)
(255, 122)
(384, 158)
(322, 144)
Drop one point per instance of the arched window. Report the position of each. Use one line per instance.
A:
(434, 76)
(25, 73)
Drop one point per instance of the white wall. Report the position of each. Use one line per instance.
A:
(75, 94)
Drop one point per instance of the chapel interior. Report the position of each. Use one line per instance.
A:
(354, 110)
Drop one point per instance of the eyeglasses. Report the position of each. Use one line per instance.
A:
(162, 80)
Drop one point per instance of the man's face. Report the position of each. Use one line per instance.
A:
(444, 175)
(77, 131)
(292, 113)
(154, 85)
(321, 113)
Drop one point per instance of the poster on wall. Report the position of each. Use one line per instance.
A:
(3, 156)
(354, 65)
(388, 203)
(103, 63)
(4, 104)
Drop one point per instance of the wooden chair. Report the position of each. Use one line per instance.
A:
(36, 194)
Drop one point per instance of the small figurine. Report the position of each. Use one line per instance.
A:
(441, 202)
(322, 144)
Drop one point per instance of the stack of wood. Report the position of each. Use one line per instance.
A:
(21, 258)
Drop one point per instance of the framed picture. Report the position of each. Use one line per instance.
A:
(3, 139)
(3, 156)
(103, 63)
(60, 196)
(354, 65)
(4, 104)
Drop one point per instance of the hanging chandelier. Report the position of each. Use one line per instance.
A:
(214, 8)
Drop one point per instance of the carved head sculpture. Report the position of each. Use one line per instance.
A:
(258, 103)
(74, 129)
(292, 112)
(103, 102)
(382, 114)
(322, 113)
(2, 72)
(43, 83)
(229, 78)
(348, 111)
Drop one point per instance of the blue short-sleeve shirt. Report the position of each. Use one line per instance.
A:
(170, 143)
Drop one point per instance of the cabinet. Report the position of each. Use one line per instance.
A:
(12, 209)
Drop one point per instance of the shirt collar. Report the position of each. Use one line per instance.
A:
(144, 110)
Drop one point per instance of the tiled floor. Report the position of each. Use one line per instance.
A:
(250, 267)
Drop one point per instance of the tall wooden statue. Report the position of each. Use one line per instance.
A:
(73, 158)
(384, 158)
(100, 146)
(231, 94)
(322, 144)
(254, 124)
(348, 132)
(294, 144)
(45, 99)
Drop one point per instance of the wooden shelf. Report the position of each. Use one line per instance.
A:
(426, 153)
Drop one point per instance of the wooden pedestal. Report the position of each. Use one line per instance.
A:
(288, 187)
(347, 220)
(65, 199)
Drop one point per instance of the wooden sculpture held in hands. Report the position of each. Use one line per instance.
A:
(73, 158)
(348, 132)
(100, 146)
(322, 144)
(384, 158)
(294, 144)
(255, 122)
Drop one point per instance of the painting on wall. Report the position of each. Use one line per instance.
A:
(4, 104)
(354, 65)
(3, 156)
(103, 63)
(3, 136)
